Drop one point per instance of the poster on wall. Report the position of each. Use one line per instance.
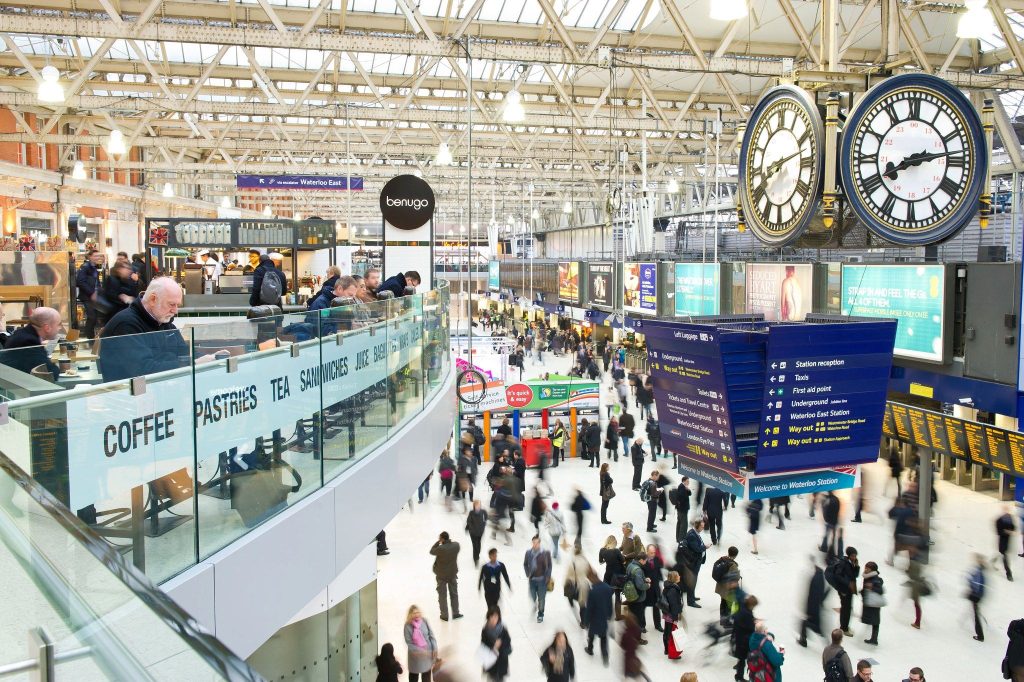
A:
(601, 277)
(569, 281)
(494, 275)
(780, 291)
(640, 287)
(697, 289)
(912, 294)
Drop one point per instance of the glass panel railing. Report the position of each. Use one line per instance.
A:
(174, 444)
(75, 607)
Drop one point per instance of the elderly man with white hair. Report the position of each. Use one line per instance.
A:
(142, 338)
(25, 350)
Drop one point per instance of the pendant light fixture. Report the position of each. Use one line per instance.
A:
(977, 22)
(267, 212)
(115, 143)
(444, 155)
(513, 111)
(728, 10)
(168, 190)
(225, 202)
(50, 90)
(673, 186)
(78, 171)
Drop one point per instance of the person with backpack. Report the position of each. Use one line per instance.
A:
(743, 624)
(842, 576)
(554, 524)
(446, 470)
(269, 284)
(634, 590)
(726, 574)
(654, 437)
(764, 662)
(835, 661)
(649, 494)
(872, 593)
(637, 456)
(976, 592)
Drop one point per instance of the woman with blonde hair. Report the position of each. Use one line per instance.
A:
(688, 677)
(422, 645)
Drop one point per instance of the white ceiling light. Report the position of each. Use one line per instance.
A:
(225, 202)
(115, 143)
(728, 10)
(50, 89)
(976, 22)
(567, 207)
(78, 171)
(168, 190)
(267, 212)
(462, 229)
(673, 186)
(535, 214)
(513, 111)
(444, 155)
(298, 215)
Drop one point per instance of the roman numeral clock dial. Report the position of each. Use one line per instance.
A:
(781, 165)
(913, 159)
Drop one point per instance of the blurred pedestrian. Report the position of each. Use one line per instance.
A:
(476, 524)
(607, 492)
(743, 624)
(599, 612)
(872, 594)
(754, 509)
(577, 584)
(554, 525)
(1004, 531)
(976, 592)
(495, 638)
(1013, 662)
(419, 637)
(815, 598)
(558, 661)
(630, 641)
(672, 613)
(491, 574)
(388, 667)
(764, 654)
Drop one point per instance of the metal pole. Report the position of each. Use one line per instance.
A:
(718, 151)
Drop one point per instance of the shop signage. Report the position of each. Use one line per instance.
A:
(302, 182)
(912, 294)
(407, 202)
(240, 232)
(569, 281)
(494, 275)
(518, 395)
(640, 287)
(601, 277)
(779, 291)
(696, 289)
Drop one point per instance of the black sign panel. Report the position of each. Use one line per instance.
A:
(601, 283)
(956, 438)
(977, 442)
(998, 448)
(407, 202)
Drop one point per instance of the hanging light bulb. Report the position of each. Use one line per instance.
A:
(976, 22)
(267, 212)
(513, 111)
(297, 216)
(78, 171)
(673, 186)
(567, 207)
(728, 10)
(535, 215)
(115, 143)
(444, 155)
(50, 89)
(225, 202)
(168, 190)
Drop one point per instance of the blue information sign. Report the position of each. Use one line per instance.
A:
(726, 481)
(799, 482)
(305, 182)
(690, 392)
(824, 395)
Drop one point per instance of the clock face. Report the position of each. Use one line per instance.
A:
(913, 160)
(780, 165)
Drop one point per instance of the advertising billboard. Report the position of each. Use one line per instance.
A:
(494, 275)
(569, 281)
(912, 294)
(697, 289)
(601, 278)
(640, 287)
(780, 291)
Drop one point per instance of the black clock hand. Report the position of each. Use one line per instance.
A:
(774, 167)
(892, 169)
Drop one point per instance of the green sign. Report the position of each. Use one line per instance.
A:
(697, 289)
(557, 394)
(912, 294)
(494, 275)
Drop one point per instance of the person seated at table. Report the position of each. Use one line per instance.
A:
(333, 273)
(25, 351)
(399, 282)
(344, 286)
(142, 338)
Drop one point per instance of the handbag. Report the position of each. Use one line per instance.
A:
(487, 656)
(873, 600)
(678, 637)
(551, 584)
(608, 493)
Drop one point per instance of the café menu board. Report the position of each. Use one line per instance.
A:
(824, 394)
(236, 233)
(971, 441)
(690, 392)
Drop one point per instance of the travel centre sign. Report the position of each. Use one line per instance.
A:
(117, 441)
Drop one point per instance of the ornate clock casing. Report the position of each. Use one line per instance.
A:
(781, 165)
(913, 160)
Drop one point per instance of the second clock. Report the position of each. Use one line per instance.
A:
(781, 165)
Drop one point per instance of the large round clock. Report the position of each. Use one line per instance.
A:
(781, 164)
(913, 159)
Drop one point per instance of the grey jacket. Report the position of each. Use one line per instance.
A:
(421, 660)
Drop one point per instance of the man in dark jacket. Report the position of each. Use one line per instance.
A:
(815, 598)
(637, 456)
(830, 514)
(265, 268)
(593, 441)
(343, 286)
(682, 505)
(142, 339)
(654, 436)
(715, 504)
(333, 273)
(25, 351)
(88, 282)
(1014, 648)
(743, 625)
(847, 571)
(626, 426)
(446, 570)
(476, 524)
(399, 282)
(599, 612)
(690, 556)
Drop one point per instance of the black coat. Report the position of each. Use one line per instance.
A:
(652, 569)
(599, 606)
(113, 288)
(24, 351)
(500, 667)
(568, 665)
(683, 500)
(614, 565)
(715, 501)
(476, 523)
(87, 279)
(327, 289)
(265, 267)
(126, 353)
(816, 595)
(846, 574)
(627, 424)
(395, 285)
(593, 435)
(742, 629)
(674, 596)
(1014, 648)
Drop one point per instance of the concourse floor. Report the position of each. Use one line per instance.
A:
(778, 576)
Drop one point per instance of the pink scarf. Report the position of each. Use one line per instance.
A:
(418, 640)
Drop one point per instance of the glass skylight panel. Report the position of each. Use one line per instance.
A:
(491, 10)
(386, 7)
(432, 8)
(630, 15)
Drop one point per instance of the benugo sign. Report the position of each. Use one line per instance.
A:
(117, 441)
(407, 202)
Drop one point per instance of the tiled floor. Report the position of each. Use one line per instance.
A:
(778, 576)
